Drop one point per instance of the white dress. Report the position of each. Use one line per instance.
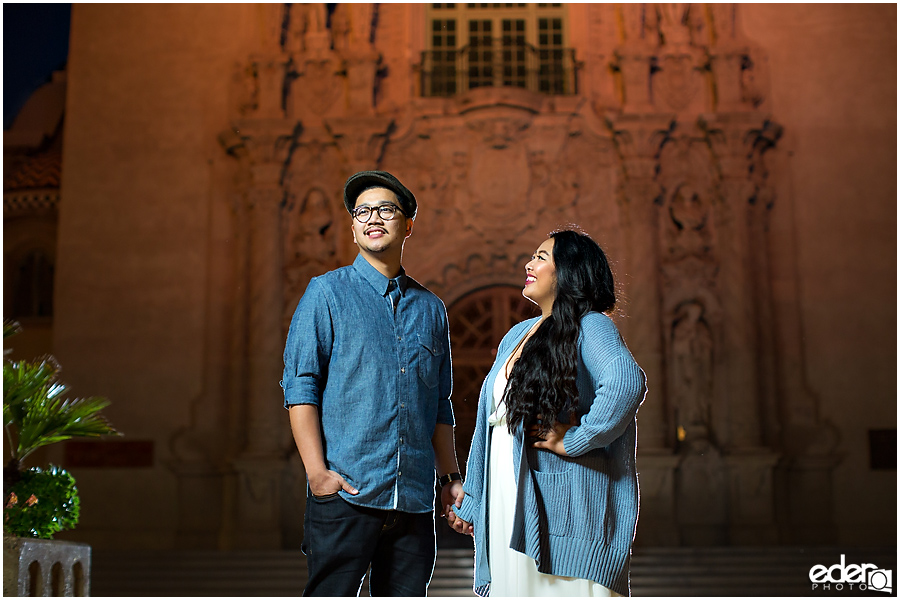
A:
(514, 573)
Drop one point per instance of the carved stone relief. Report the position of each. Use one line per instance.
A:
(687, 59)
(310, 241)
(680, 80)
(497, 203)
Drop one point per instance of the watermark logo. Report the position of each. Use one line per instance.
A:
(851, 577)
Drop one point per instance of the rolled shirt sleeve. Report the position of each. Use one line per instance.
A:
(308, 349)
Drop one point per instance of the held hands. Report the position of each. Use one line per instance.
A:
(458, 525)
(325, 483)
(452, 496)
(553, 439)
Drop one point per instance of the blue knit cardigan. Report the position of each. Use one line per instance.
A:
(576, 515)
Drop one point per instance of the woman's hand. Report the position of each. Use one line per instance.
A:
(553, 439)
(458, 525)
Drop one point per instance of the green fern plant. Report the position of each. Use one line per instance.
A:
(37, 413)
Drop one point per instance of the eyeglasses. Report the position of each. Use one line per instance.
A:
(386, 211)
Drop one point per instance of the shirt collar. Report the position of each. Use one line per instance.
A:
(376, 279)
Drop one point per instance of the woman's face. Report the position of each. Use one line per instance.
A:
(540, 277)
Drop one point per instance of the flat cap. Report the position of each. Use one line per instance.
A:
(359, 182)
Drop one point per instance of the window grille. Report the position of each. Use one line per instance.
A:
(495, 45)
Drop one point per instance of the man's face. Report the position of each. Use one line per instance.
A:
(377, 235)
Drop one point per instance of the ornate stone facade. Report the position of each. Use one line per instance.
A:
(669, 172)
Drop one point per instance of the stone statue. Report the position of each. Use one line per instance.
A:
(692, 354)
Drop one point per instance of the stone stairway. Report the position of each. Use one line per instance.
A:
(758, 571)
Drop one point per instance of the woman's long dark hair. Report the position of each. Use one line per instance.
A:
(543, 380)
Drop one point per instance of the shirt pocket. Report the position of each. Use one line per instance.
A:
(431, 353)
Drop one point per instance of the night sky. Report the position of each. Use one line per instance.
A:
(35, 43)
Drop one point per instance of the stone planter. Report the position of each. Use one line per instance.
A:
(33, 567)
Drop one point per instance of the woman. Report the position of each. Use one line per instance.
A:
(554, 513)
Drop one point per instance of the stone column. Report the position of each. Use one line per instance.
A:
(739, 322)
(750, 467)
(264, 327)
(643, 307)
(637, 140)
(739, 386)
(259, 467)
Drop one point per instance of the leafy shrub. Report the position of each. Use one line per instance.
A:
(36, 413)
(42, 503)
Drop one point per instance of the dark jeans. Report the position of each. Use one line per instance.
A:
(341, 540)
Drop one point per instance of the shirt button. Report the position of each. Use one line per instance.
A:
(399, 338)
(402, 370)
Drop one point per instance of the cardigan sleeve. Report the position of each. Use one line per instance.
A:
(619, 387)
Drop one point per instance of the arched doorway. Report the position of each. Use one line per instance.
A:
(478, 321)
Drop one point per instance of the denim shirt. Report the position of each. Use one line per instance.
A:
(380, 378)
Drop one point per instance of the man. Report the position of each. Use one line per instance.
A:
(367, 382)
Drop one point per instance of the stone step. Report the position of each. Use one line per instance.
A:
(705, 572)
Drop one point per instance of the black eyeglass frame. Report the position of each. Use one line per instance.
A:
(391, 209)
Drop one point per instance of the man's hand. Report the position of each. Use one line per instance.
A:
(325, 483)
(452, 494)
(553, 439)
